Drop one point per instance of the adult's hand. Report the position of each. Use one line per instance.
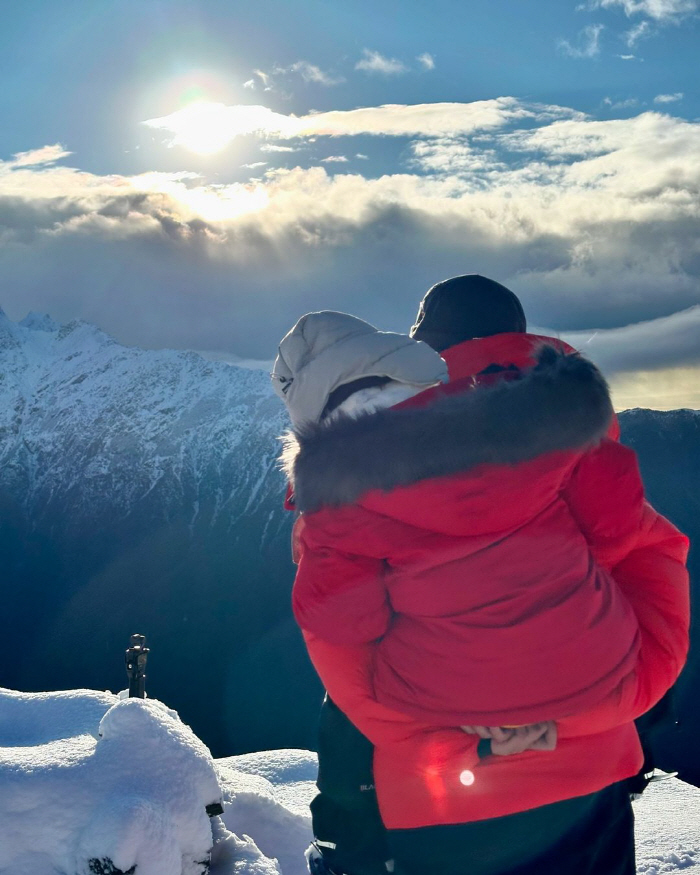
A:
(506, 741)
(537, 736)
(495, 733)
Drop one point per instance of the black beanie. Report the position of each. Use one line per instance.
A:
(466, 307)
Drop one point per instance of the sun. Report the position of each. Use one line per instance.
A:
(206, 127)
(202, 127)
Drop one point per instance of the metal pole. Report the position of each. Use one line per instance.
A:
(136, 656)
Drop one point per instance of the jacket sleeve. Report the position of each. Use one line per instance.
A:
(338, 595)
(346, 673)
(646, 555)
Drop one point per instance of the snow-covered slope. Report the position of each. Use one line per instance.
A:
(88, 780)
(85, 421)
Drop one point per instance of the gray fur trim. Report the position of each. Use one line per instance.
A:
(563, 403)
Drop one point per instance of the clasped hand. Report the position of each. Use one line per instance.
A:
(509, 740)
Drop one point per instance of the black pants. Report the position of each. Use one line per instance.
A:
(345, 812)
(589, 835)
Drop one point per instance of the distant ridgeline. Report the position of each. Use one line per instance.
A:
(139, 493)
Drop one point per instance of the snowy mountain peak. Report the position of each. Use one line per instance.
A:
(82, 332)
(102, 424)
(39, 322)
(8, 329)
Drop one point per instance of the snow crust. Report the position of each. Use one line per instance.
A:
(668, 828)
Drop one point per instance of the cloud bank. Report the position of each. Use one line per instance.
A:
(595, 224)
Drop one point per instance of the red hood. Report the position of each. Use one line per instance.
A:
(491, 499)
(466, 360)
(474, 356)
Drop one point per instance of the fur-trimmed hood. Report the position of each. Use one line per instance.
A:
(563, 403)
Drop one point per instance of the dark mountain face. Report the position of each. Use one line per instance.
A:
(139, 493)
(668, 446)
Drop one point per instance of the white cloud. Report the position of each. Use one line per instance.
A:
(628, 103)
(335, 159)
(432, 119)
(659, 10)
(255, 165)
(374, 62)
(264, 78)
(209, 127)
(36, 157)
(271, 80)
(273, 147)
(312, 73)
(588, 44)
(669, 98)
(221, 124)
(640, 31)
(426, 60)
(421, 120)
(627, 57)
(656, 343)
(454, 156)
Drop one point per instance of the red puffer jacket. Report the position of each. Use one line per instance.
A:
(455, 564)
(538, 630)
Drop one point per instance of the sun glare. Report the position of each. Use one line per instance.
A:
(206, 127)
(219, 203)
(203, 128)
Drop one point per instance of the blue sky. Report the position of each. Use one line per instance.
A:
(199, 174)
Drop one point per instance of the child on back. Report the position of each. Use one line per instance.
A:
(442, 530)
(454, 560)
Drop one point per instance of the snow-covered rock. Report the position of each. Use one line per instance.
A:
(266, 796)
(91, 784)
